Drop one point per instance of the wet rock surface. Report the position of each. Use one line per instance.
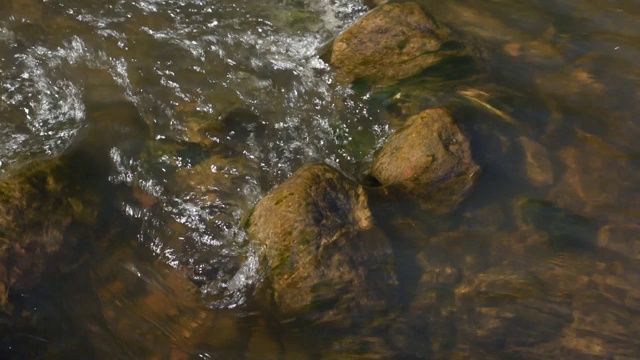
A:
(326, 262)
(429, 160)
(392, 42)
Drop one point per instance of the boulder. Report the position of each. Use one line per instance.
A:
(427, 159)
(392, 42)
(327, 262)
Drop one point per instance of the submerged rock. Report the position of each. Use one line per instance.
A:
(428, 159)
(597, 177)
(604, 302)
(327, 262)
(54, 209)
(38, 204)
(621, 238)
(152, 308)
(392, 42)
(538, 166)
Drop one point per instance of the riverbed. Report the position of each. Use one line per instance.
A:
(236, 97)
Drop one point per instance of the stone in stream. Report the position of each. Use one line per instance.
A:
(428, 159)
(603, 290)
(151, 308)
(327, 262)
(392, 42)
(40, 205)
(597, 177)
(621, 238)
(50, 208)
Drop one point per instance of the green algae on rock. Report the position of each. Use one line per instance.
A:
(392, 42)
(428, 159)
(326, 261)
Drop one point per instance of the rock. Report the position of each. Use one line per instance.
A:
(621, 238)
(564, 228)
(327, 262)
(112, 124)
(39, 204)
(392, 42)
(599, 180)
(151, 308)
(356, 347)
(507, 310)
(429, 326)
(604, 303)
(605, 323)
(263, 344)
(54, 209)
(538, 166)
(428, 159)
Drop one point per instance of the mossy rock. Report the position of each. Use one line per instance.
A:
(428, 159)
(327, 262)
(392, 42)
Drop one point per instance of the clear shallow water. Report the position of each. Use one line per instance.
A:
(566, 71)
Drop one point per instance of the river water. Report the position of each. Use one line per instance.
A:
(563, 76)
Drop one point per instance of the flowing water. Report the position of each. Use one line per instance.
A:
(236, 98)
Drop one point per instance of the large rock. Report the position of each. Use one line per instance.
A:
(327, 262)
(392, 42)
(428, 159)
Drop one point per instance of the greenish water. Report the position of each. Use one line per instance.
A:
(236, 99)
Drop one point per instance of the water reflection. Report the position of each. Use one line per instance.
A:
(235, 98)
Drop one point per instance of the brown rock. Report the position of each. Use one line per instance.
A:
(392, 42)
(428, 159)
(326, 260)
